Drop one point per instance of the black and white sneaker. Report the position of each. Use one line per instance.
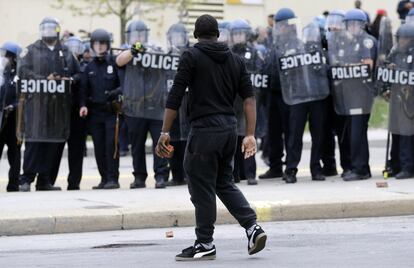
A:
(257, 240)
(197, 253)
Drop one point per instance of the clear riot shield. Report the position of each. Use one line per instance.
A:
(301, 61)
(385, 40)
(44, 103)
(352, 82)
(145, 87)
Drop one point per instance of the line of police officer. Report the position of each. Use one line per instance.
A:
(292, 79)
(301, 74)
(59, 91)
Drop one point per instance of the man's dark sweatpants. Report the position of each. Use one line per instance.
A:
(208, 164)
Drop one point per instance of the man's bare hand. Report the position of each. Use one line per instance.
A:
(163, 148)
(249, 147)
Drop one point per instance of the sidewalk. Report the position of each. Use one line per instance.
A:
(273, 200)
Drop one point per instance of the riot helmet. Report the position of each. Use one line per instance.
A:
(49, 30)
(100, 42)
(177, 37)
(137, 31)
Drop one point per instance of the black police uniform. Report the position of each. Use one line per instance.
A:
(278, 120)
(245, 169)
(100, 81)
(179, 142)
(42, 159)
(336, 125)
(8, 127)
(77, 137)
(358, 133)
(214, 76)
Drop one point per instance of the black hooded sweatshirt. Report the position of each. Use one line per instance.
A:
(213, 75)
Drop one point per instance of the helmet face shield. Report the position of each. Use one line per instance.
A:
(137, 36)
(335, 23)
(177, 39)
(311, 33)
(3, 59)
(49, 30)
(75, 46)
(224, 35)
(286, 29)
(355, 27)
(239, 36)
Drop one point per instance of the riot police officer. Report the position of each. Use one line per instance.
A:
(144, 98)
(278, 111)
(77, 137)
(177, 41)
(305, 87)
(398, 65)
(100, 89)
(240, 33)
(44, 119)
(354, 50)
(8, 105)
(336, 124)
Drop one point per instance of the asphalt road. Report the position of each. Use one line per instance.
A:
(369, 242)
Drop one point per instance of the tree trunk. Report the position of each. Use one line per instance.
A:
(123, 20)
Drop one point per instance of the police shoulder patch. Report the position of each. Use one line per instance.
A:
(24, 53)
(368, 43)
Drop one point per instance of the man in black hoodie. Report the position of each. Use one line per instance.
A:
(214, 76)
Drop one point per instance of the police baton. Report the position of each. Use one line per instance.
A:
(117, 106)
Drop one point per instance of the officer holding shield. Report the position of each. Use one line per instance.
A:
(394, 74)
(240, 33)
(336, 124)
(305, 87)
(352, 54)
(43, 120)
(144, 91)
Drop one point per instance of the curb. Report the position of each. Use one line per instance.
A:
(113, 219)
